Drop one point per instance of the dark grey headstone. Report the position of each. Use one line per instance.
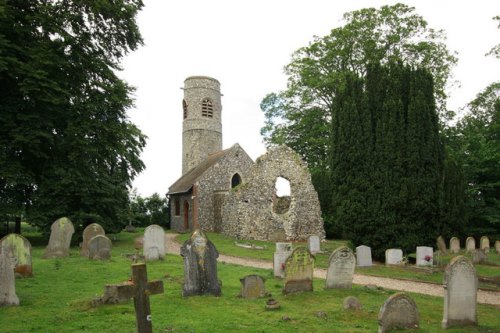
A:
(398, 311)
(252, 287)
(351, 303)
(200, 266)
(99, 248)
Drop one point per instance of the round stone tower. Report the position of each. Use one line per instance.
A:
(202, 127)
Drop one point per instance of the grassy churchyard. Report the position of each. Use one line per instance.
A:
(58, 297)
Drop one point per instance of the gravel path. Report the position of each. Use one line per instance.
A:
(483, 296)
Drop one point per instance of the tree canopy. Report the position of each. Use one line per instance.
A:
(67, 146)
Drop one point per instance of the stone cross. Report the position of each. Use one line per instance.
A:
(139, 290)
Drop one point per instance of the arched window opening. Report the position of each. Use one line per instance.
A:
(236, 180)
(177, 204)
(184, 108)
(282, 196)
(207, 108)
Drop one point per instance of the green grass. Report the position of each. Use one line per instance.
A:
(57, 299)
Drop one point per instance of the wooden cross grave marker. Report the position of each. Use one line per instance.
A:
(140, 289)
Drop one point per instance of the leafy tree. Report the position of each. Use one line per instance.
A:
(66, 144)
(150, 210)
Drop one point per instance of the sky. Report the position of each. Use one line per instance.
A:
(245, 46)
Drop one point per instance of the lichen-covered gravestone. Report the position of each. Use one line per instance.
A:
(90, 231)
(484, 244)
(441, 245)
(398, 311)
(470, 244)
(61, 232)
(393, 257)
(424, 256)
(154, 243)
(364, 256)
(7, 279)
(20, 248)
(200, 266)
(283, 250)
(460, 293)
(252, 287)
(454, 245)
(99, 248)
(341, 268)
(314, 244)
(299, 269)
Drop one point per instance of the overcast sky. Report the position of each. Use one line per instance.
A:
(246, 44)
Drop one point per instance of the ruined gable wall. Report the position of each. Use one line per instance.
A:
(248, 211)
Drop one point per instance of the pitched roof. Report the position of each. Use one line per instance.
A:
(185, 183)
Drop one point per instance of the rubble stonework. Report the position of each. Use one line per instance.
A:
(248, 212)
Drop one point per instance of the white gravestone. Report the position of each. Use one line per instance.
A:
(484, 244)
(364, 256)
(154, 243)
(470, 244)
(341, 268)
(454, 245)
(314, 244)
(283, 250)
(424, 255)
(393, 257)
(460, 293)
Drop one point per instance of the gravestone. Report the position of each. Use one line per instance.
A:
(60, 238)
(364, 256)
(497, 246)
(99, 248)
(200, 266)
(283, 250)
(90, 231)
(7, 279)
(398, 311)
(139, 289)
(393, 257)
(484, 244)
(441, 245)
(299, 268)
(478, 256)
(351, 303)
(424, 255)
(470, 244)
(154, 243)
(340, 268)
(314, 244)
(19, 247)
(460, 293)
(252, 287)
(454, 245)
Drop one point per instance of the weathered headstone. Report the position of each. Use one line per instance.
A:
(90, 231)
(60, 238)
(470, 244)
(424, 255)
(19, 247)
(398, 311)
(99, 248)
(299, 268)
(351, 303)
(460, 293)
(393, 257)
(252, 287)
(200, 266)
(340, 268)
(484, 244)
(154, 243)
(283, 250)
(364, 256)
(478, 256)
(497, 246)
(314, 244)
(454, 245)
(139, 289)
(7, 279)
(441, 245)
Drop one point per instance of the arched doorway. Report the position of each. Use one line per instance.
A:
(186, 215)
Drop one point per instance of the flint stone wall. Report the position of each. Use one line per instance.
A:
(249, 213)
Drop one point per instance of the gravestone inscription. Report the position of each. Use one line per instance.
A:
(340, 268)
(299, 268)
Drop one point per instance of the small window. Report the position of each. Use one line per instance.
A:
(236, 180)
(207, 108)
(177, 204)
(184, 108)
